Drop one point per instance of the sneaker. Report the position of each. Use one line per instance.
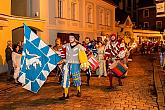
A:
(79, 94)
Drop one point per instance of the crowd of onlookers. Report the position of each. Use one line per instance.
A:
(13, 59)
(152, 47)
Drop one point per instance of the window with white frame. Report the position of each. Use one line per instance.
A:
(89, 14)
(101, 17)
(108, 18)
(158, 24)
(73, 10)
(146, 24)
(145, 13)
(60, 8)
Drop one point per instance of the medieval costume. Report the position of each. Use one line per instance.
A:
(113, 52)
(90, 50)
(72, 66)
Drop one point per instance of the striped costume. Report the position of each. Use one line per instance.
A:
(113, 51)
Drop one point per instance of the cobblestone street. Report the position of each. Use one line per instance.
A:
(136, 93)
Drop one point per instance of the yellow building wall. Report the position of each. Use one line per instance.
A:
(5, 7)
(6, 34)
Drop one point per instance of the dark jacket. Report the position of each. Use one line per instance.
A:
(8, 52)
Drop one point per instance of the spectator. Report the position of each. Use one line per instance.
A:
(16, 58)
(8, 52)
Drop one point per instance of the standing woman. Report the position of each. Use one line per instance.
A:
(102, 69)
(16, 58)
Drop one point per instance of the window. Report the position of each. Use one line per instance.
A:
(60, 8)
(89, 14)
(73, 11)
(145, 13)
(108, 19)
(146, 24)
(101, 17)
(158, 24)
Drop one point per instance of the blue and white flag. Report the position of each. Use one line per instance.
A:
(37, 61)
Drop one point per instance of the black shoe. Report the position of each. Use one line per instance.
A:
(79, 94)
(111, 88)
(64, 98)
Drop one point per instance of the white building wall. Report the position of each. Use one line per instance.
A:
(80, 25)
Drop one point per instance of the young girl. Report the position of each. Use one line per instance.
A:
(16, 58)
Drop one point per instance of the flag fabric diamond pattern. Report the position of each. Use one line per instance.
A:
(37, 61)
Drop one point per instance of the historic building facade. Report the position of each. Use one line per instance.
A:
(54, 18)
(152, 24)
(86, 18)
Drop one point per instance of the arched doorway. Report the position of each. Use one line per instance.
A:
(18, 33)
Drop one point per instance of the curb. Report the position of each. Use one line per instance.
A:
(159, 86)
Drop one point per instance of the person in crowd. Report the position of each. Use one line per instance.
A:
(8, 53)
(162, 54)
(156, 47)
(20, 47)
(90, 50)
(72, 65)
(16, 59)
(102, 69)
(59, 50)
(112, 54)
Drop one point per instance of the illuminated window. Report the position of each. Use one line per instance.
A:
(108, 19)
(60, 8)
(101, 17)
(73, 11)
(89, 14)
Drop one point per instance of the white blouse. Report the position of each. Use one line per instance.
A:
(16, 58)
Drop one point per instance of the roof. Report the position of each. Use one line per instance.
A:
(110, 2)
(120, 15)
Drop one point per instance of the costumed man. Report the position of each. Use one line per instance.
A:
(113, 52)
(75, 55)
(90, 49)
(61, 52)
